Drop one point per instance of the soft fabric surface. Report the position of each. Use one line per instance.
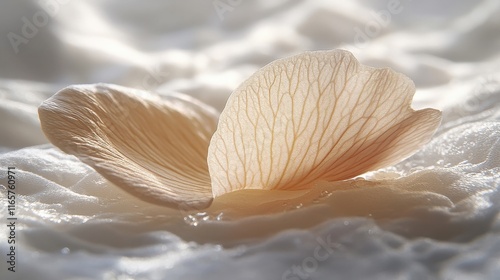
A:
(432, 216)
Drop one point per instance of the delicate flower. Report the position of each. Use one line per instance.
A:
(317, 116)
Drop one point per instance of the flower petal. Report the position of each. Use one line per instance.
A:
(315, 116)
(154, 148)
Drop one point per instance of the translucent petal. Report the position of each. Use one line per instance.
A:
(154, 148)
(313, 117)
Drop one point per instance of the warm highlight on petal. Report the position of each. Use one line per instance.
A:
(154, 148)
(315, 116)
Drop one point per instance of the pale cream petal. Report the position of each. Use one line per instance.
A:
(154, 148)
(313, 117)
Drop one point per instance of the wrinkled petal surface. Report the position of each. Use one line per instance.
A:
(317, 116)
(152, 147)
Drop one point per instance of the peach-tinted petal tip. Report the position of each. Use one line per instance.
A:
(154, 148)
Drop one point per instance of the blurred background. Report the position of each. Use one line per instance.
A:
(207, 47)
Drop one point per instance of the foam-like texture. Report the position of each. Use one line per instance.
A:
(432, 216)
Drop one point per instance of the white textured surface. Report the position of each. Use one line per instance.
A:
(433, 216)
